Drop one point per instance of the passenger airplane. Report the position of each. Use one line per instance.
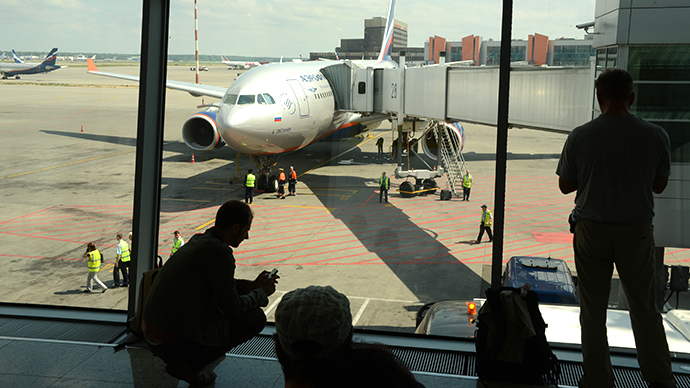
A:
(275, 108)
(240, 64)
(15, 69)
(16, 57)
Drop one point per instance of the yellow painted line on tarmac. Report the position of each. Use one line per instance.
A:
(340, 154)
(66, 164)
(205, 225)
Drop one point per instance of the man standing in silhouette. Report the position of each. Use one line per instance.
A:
(615, 162)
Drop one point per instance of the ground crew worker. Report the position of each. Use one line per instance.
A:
(94, 262)
(379, 144)
(292, 181)
(384, 185)
(121, 263)
(281, 183)
(178, 242)
(249, 184)
(466, 186)
(485, 225)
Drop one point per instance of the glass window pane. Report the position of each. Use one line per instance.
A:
(72, 181)
(245, 99)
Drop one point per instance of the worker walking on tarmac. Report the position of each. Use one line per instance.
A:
(384, 185)
(249, 183)
(281, 183)
(178, 242)
(94, 262)
(121, 263)
(485, 225)
(292, 181)
(379, 144)
(466, 186)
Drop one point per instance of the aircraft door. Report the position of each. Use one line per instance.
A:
(302, 102)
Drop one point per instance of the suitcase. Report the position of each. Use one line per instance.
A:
(446, 195)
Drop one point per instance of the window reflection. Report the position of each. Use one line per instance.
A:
(246, 99)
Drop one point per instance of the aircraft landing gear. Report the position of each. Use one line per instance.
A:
(266, 181)
(16, 77)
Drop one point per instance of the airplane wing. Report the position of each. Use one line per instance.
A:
(193, 89)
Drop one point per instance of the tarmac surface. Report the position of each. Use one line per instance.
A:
(68, 157)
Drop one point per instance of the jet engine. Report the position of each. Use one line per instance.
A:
(200, 132)
(453, 132)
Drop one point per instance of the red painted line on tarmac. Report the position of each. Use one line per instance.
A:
(42, 237)
(560, 238)
(44, 257)
(16, 218)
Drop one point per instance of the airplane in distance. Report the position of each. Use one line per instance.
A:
(15, 69)
(83, 58)
(240, 64)
(275, 108)
(16, 57)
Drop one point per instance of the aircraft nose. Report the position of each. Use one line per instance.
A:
(235, 125)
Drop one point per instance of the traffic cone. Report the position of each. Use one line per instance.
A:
(193, 159)
(82, 127)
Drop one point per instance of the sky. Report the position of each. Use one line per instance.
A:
(272, 28)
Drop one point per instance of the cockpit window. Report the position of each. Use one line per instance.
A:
(230, 99)
(260, 99)
(246, 99)
(269, 99)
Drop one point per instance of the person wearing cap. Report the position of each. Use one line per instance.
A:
(196, 310)
(281, 183)
(249, 184)
(485, 225)
(314, 345)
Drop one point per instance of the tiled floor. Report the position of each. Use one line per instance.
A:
(36, 364)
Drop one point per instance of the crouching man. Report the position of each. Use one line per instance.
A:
(196, 310)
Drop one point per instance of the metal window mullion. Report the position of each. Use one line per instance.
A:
(147, 177)
(501, 145)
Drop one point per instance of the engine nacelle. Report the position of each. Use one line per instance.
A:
(200, 132)
(457, 139)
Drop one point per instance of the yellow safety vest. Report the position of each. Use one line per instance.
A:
(467, 181)
(177, 244)
(124, 257)
(94, 261)
(385, 182)
(487, 218)
(250, 181)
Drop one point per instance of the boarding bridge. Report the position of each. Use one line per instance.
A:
(557, 99)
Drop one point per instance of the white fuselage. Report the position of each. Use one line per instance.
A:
(298, 108)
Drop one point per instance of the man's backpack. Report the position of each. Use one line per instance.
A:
(511, 341)
(147, 278)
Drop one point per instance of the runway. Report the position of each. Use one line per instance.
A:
(68, 171)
